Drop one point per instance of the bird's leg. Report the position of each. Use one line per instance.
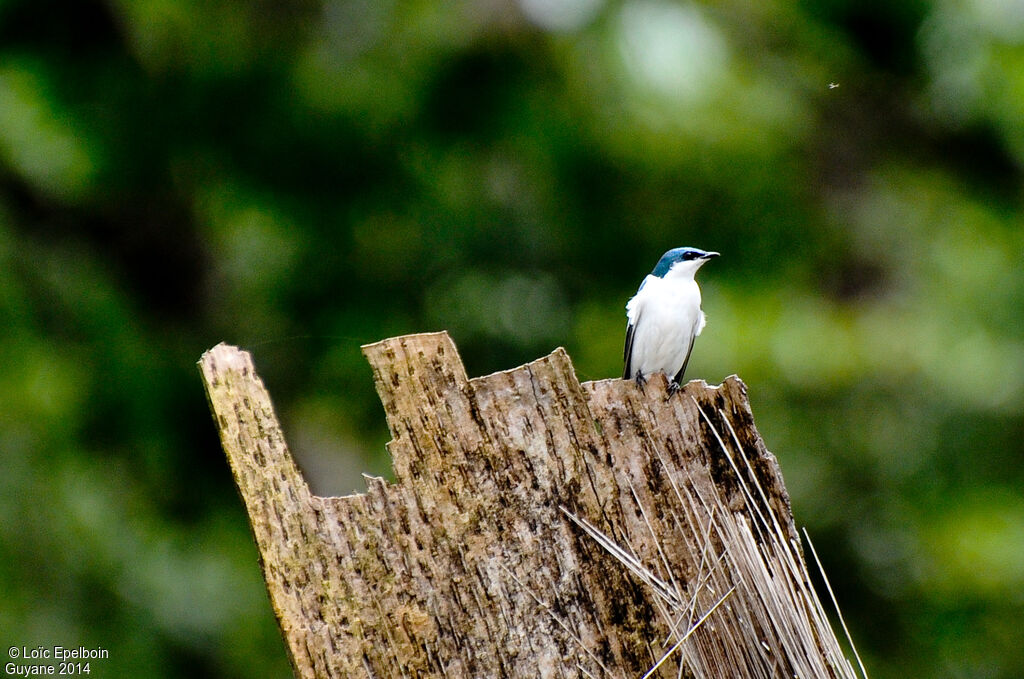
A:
(640, 380)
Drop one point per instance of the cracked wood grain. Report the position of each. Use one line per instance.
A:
(467, 565)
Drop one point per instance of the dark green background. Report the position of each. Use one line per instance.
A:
(303, 177)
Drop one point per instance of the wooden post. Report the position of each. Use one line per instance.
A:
(536, 527)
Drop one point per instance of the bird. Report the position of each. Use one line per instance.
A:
(664, 317)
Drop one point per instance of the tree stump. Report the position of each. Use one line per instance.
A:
(536, 527)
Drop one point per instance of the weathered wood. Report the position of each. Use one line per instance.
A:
(473, 563)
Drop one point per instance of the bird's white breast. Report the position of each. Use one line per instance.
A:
(666, 316)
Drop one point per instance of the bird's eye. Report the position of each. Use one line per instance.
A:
(690, 255)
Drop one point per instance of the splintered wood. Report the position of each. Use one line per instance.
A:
(536, 527)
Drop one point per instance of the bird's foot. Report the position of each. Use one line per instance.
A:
(674, 387)
(640, 380)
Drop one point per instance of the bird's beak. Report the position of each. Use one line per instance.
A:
(709, 255)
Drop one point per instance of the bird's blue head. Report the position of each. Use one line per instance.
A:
(684, 258)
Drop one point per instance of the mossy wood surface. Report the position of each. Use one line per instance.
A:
(468, 564)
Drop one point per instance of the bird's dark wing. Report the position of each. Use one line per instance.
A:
(678, 379)
(627, 352)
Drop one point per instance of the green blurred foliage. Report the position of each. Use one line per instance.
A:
(300, 178)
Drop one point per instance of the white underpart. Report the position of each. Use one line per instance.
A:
(666, 316)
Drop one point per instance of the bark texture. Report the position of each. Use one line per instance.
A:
(484, 557)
